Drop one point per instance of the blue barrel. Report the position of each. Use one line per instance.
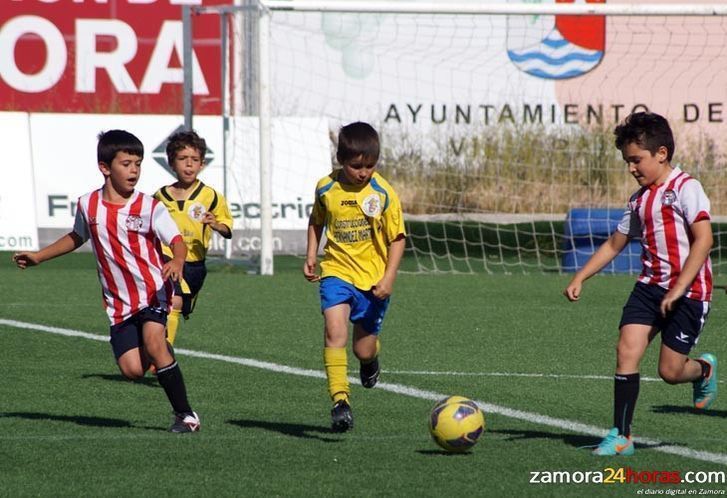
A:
(586, 229)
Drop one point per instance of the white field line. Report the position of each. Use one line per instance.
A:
(514, 374)
(510, 374)
(413, 392)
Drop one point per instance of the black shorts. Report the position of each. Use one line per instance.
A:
(127, 334)
(193, 275)
(680, 329)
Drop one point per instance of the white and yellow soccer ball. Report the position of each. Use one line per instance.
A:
(456, 423)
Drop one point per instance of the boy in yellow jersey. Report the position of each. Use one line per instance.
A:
(365, 235)
(197, 209)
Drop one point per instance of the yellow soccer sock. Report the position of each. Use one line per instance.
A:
(336, 362)
(173, 325)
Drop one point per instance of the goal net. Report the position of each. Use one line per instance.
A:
(496, 127)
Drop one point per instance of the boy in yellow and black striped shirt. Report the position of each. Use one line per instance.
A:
(198, 210)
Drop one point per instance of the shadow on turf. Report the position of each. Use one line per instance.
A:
(78, 419)
(444, 453)
(579, 442)
(688, 409)
(295, 430)
(144, 381)
(575, 440)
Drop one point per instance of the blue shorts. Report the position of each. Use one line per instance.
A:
(127, 334)
(366, 309)
(680, 329)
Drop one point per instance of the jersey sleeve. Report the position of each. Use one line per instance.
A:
(393, 218)
(318, 214)
(630, 225)
(80, 225)
(694, 202)
(163, 225)
(222, 211)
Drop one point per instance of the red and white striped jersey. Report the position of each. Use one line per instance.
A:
(662, 216)
(127, 243)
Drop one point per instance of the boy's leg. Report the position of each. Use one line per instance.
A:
(170, 376)
(366, 347)
(131, 365)
(173, 323)
(632, 343)
(680, 335)
(126, 344)
(336, 363)
(180, 288)
(334, 353)
(677, 368)
(367, 312)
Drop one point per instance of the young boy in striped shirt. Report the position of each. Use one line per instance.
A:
(670, 212)
(126, 229)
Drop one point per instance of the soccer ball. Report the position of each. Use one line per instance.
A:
(456, 423)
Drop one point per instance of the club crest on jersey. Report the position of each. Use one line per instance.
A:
(134, 223)
(669, 197)
(196, 211)
(371, 205)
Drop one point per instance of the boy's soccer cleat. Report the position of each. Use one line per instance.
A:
(704, 391)
(185, 422)
(615, 444)
(369, 373)
(341, 417)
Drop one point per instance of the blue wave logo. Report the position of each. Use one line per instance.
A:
(557, 47)
(555, 58)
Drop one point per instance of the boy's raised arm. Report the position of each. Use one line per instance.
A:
(68, 243)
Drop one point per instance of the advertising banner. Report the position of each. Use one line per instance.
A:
(65, 163)
(436, 80)
(18, 229)
(96, 56)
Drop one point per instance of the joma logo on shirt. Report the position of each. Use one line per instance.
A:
(349, 202)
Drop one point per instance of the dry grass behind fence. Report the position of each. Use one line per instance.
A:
(534, 170)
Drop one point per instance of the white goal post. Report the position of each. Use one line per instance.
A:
(483, 202)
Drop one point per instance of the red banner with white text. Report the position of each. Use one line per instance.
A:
(102, 56)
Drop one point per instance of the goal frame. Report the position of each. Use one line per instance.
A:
(265, 8)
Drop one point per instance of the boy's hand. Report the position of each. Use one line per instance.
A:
(382, 289)
(309, 270)
(669, 300)
(172, 269)
(25, 259)
(208, 218)
(573, 291)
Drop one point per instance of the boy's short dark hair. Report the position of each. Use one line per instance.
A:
(646, 129)
(113, 141)
(358, 139)
(187, 138)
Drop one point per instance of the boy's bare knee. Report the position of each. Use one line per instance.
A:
(669, 375)
(364, 354)
(132, 373)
